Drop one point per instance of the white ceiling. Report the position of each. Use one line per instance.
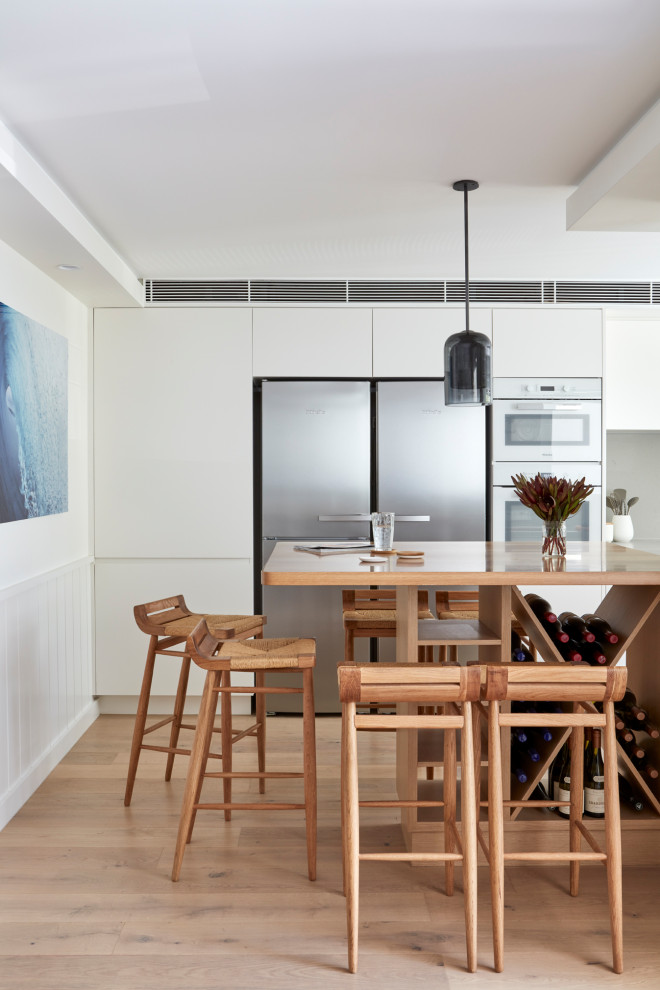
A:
(320, 138)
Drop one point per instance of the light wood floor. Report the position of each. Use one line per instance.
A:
(86, 902)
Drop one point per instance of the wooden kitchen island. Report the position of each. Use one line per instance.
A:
(631, 607)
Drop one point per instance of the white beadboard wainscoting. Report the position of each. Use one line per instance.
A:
(46, 677)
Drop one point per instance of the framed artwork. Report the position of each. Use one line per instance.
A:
(34, 442)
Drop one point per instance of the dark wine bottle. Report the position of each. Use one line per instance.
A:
(563, 792)
(519, 652)
(556, 771)
(628, 794)
(600, 628)
(593, 653)
(539, 735)
(519, 774)
(594, 777)
(650, 728)
(629, 709)
(634, 751)
(576, 627)
(541, 608)
(571, 651)
(520, 735)
(624, 734)
(521, 752)
(540, 794)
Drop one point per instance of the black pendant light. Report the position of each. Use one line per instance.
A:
(467, 354)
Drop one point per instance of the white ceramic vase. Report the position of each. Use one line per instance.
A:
(623, 529)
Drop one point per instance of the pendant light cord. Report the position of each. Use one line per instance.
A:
(467, 259)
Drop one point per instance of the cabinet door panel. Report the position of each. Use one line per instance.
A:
(312, 343)
(547, 343)
(631, 375)
(409, 343)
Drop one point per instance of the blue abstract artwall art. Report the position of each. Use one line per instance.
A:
(34, 478)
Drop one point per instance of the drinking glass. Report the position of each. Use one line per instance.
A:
(382, 524)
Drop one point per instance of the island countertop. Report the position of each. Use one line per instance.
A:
(468, 563)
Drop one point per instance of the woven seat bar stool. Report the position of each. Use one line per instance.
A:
(371, 614)
(167, 623)
(582, 687)
(259, 656)
(418, 684)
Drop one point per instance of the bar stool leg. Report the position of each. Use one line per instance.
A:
(351, 836)
(195, 769)
(179, 702)
(226, 736)
(349, 646)
(140, 719)
(496, 833)
(449, 798)
(469, 837)
(260, 709)
(577, 774)
(309, 760)
(205, 757)
(613, 839)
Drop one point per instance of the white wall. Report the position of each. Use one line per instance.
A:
(46, 662)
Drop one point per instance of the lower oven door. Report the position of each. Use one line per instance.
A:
(514, 522)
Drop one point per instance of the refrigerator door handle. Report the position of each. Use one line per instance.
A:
(363, 516)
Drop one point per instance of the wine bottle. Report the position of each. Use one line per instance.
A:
(624, 734)
(519, 652)
(628, 707)
(520, 752)
(600, 628)
(627, 794)
(576, 627)
(540, 794)
(593, 653)
(570, 651)
(519, 774)
(650, 728)
(541, 608)
(556, 771)
(519, 734)
(594, 777)
(634, 751)
(564, 782)
(539, 734)
(643, 764)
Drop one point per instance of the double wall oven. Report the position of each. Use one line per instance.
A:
(553, 427)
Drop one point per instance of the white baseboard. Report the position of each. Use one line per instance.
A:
(163, 704)
(14, 799)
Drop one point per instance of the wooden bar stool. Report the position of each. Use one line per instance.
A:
(581, 686)
(431, 685)
(167, 623)
(257, 656)
(371, 614)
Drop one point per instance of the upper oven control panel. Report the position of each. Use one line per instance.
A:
(547, 388)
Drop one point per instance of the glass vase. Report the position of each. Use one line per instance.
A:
(554, 538)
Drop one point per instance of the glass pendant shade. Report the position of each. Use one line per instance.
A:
(468, 369)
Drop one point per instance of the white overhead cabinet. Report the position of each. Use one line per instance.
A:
(410, 343)
(632, 367)
(547, 343)
(312, 343)
(173, 433)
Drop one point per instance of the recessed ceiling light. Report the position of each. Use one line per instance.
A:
(69, 268)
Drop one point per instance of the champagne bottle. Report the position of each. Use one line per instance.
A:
(628, 708)
(594, 778)
(576, 627)
(541, 608)
(627, 794)
(600, 628)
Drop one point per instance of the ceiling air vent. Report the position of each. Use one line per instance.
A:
(298, 292)
(396, 292)
(170, 291)
(603, 292)
(548, 292)
(523, 292)
(655, 293)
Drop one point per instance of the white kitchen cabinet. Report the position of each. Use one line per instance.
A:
(121, 647)
(547, 343)
(173, 433)
(312, 343)
(632, 360)
(409, 343)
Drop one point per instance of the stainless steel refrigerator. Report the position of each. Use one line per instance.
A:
(327, 454)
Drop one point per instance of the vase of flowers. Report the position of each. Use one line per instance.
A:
(553, 500)
(621, 505)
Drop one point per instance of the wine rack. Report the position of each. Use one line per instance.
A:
(626, 609)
